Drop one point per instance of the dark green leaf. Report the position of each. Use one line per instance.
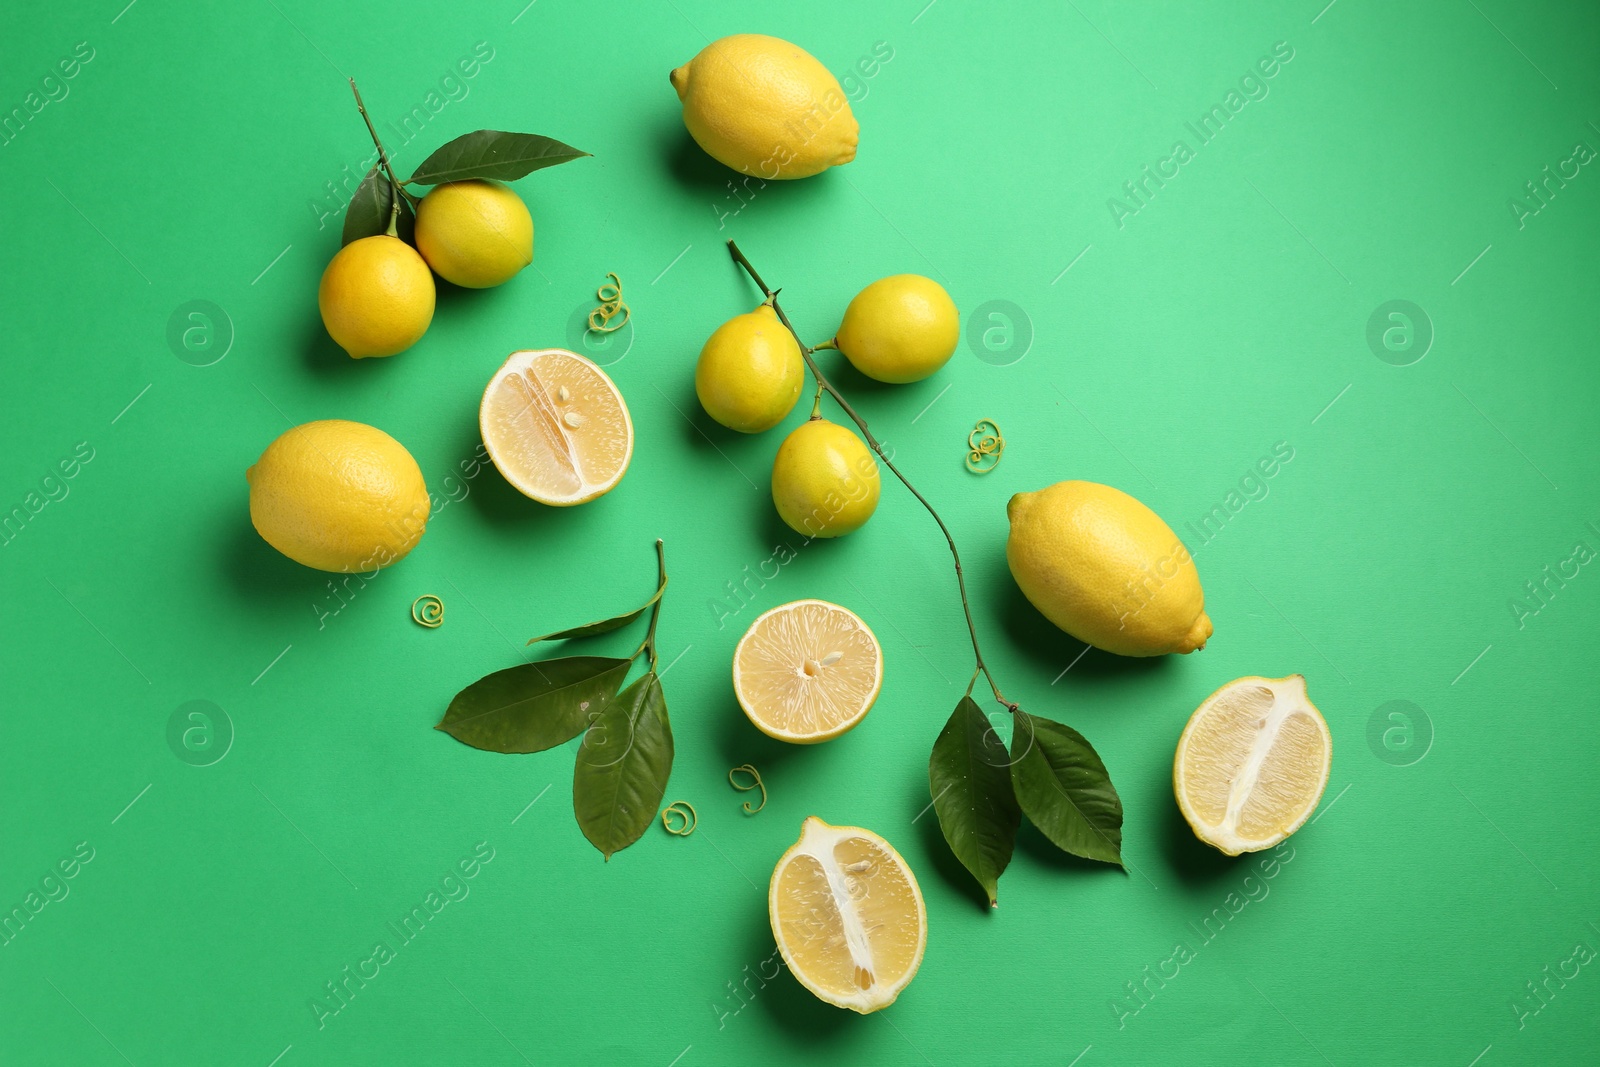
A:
(623, 766)
(534, 706)
(969, 774)
(492, 154)
(1064, 788)
(604, 626)
(368, 212)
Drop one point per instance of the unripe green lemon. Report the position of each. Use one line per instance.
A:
(338, 496)
(475, 233)
(824, 480)
(376, 297)
(1106, 569)
(766, 107)
(900, 329)
(750, 372)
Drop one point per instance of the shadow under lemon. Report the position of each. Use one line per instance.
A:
(262, 576)
(726, 192)
(737, 739)
(1194, 861)
(323, 356)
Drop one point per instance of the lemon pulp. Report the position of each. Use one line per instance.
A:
(556, 427)
(807, 671)
(848, 916)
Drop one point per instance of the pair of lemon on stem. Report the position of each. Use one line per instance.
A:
(377, 294)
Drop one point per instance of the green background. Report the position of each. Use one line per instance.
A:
(1454, 858)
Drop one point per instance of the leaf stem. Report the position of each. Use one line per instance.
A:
(395, 190)
(825, 385)
(655, 609)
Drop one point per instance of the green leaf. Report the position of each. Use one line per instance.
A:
(492, 154)
(604, 626)
(1064, 789)
(534, 706)
(623, 766)
(969, 774)
(368, 212)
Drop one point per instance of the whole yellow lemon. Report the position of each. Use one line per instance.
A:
(766, 107)
(1106, 569)
(750, 373)
(900, 329)
(376, 297)
(475, 233)
(824, 480)
(338, 496)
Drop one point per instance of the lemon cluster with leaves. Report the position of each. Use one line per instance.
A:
(471, 229)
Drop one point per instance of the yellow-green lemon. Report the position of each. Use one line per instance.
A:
(1106, 569)
(766, 107)
(475, 233)
(750, 372)
(824, 480)
(900, 329)
(376, 297)
(338, 496)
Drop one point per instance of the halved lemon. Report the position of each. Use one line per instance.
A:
(848, 916)
(1252, 763)
(807, 671)
(556, 426)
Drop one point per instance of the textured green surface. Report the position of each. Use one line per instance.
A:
(1227, 315)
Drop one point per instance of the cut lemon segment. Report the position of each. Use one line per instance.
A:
(807, 671)
(1252, 763)
(848, 916)
(556, 426)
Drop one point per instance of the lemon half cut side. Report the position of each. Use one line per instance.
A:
(807, 671)
(1252, 763)
(556, 427)
(848, 916)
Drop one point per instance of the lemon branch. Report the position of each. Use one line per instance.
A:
(649, 642)
(824, 385)
(397, 190)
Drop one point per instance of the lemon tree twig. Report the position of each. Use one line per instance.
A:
(824, 385)
(649, 642)
(397, 189)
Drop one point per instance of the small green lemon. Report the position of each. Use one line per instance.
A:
(376, 297)
(750, 372)
(1106, 569)
(338, 496)
(900, 329)
(475, 233)
(824, 480)
(766, 107)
